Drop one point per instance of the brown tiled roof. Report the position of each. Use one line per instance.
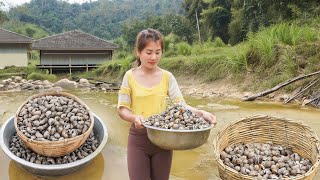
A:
(12, 37)
(73, 40)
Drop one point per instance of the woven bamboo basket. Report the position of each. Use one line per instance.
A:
(55, 148)
(262, 128)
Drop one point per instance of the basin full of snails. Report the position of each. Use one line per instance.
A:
(18, 148)
(177, 128)
(177, 117)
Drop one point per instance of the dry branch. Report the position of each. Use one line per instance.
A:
(311, 100)
(310, 84)
(268, 91)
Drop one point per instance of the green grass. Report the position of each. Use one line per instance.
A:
(42, 76)
(273, 55)
(12, 69)
(264, 43)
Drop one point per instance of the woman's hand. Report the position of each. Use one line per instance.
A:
(209, 117)
(138, 119)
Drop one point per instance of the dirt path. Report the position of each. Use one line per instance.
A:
(219, 88)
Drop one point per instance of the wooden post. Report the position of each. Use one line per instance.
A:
(70, 65)
(198, 26)
(87, 64)
(50, 70)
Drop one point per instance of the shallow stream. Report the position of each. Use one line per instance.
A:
(111, 164)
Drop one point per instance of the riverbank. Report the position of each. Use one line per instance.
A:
(219, 88)
(190, 86)
(17, 83)
(223, 88)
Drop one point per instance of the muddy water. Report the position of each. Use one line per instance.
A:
(197, 164)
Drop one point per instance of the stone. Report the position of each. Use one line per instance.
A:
(66, 84)
(83, 81)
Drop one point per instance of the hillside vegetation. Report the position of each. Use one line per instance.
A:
(268, 57)
(258, 42)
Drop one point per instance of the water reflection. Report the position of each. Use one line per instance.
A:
(92, 171)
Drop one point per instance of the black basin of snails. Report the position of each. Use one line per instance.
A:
(177, 117)
(18, 148)
(265, 160)
(53, 124)
(53, 166)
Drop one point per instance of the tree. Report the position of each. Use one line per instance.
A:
(192, 6)
(182, 27)
(130, 29)
(3, 17)
(102, 18)
(30, 31)
(218, 19)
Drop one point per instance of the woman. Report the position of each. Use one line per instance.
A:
(143, 93)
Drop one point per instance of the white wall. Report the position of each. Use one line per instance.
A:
(13, 55)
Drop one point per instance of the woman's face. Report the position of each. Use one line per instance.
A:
(150, 55)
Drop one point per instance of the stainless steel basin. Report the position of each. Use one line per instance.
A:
(178, 139)
(8, 130)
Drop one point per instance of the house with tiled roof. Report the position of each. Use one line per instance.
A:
(73, 50)
(14, 49)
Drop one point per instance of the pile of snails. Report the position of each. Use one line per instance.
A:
(265, 160)
(20, 150)
(177, 117)
(53, 118)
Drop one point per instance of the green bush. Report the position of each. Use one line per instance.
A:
(13, 69)
(218, 42)
(170, 53)
(170, 40)
(184, 48)
(40, 76)
(120, 55)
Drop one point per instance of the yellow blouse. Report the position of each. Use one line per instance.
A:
(148, 101)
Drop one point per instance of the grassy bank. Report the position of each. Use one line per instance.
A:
(29, 72)
(269, 57)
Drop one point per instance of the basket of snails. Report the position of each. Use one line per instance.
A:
(267, 147)
(53, 123)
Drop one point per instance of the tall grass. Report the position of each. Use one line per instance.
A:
(268, 48)
(114, 69)
(207, 47)
(42, 76)
(12, 69)
(210, 66)
(264, 43)
(184, 48)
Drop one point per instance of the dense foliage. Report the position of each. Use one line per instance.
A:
(273, 40)
(230, 20)
(101, 18)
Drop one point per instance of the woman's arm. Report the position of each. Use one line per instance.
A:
(124, 104)
(211, 118)
(127, 115)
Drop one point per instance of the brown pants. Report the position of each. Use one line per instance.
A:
(145, 160)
